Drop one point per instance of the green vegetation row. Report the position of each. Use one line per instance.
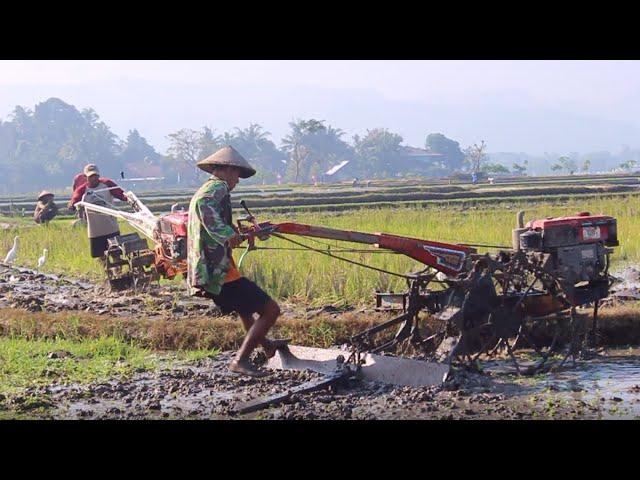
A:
(440, 194)
(38, 348)
(346, 189)
(315, 279)
(375, 199)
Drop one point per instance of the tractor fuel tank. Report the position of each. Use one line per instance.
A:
(582, 228)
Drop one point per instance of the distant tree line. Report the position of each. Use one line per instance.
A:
(47, 146)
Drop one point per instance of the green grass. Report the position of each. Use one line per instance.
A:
(316, 279)
(31, 363)
(26, 363)
(68, 247)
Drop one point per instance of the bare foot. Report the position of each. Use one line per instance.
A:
(246, 368)
(271, 346)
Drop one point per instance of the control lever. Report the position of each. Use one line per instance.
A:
(250, 217)
(244, 205)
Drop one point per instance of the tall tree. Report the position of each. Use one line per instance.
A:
(184, 153)
(208, 143)
(54, 138)
(475, 156)
(628, 165)
(520, 169)
(253, 143)
(379, 152)
(136, 149)
(565, 163)
(313, 147)
(453, 157)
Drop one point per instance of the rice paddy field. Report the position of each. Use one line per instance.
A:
(114, 357)
(288, 273)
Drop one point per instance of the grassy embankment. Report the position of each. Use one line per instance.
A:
(26, 364)
(315, 279)
(44, 349)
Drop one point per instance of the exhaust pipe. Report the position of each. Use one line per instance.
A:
(516, 232)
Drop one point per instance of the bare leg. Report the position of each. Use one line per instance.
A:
(247, 321)
(255, 336)
(270, 346)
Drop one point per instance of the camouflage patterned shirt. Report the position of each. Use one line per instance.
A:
(209, 229)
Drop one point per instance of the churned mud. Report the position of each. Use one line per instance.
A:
(607, 385)
(38, 292)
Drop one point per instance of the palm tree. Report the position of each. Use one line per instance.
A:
(293, 143)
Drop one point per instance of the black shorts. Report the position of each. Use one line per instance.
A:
(99, 244)
(242, 296)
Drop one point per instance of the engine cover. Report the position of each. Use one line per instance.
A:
(583, 228)
(574, 248)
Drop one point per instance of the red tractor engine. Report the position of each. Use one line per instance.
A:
(171, 244)
(575, 248)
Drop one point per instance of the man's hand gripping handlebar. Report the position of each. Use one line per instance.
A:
(249, 229)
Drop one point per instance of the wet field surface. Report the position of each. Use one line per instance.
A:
(606, 386)
(612, 380)
(39, 292)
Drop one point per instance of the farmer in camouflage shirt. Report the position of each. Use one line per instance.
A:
(211, 269)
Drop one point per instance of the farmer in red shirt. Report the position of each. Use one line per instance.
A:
(100, 191)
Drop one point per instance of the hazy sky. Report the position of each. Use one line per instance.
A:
(520, 106)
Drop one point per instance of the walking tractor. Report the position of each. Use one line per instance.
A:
(463, 307)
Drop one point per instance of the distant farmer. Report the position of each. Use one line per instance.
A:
(99, 191)
(46, 209)
(212, 272)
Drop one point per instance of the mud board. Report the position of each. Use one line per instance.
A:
(377, 368)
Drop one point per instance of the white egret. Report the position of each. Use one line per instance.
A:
(13, 253)
(42, 259)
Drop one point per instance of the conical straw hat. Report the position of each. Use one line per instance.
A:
(227, 156)
(44, 193)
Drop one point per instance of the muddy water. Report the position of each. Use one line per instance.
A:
(611, 381)
(199, 390)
